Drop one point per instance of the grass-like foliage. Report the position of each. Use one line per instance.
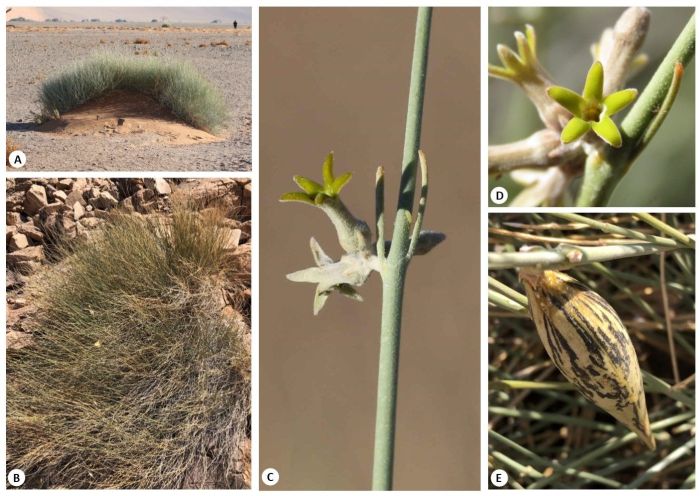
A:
(136, 378)
(176, 85)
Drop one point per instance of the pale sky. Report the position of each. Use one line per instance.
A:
(136, 14)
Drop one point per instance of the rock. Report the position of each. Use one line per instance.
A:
(60, 196)
(35, 199)
(78, 211)
(29, 254)
(127, 204)
(233, 237)
(13, 218)
(17, 302)
(31, 231)
(147, 207)
(16, 340)
(18, 242)
(76, 196)
(141, 196)
(120, 121)
(90, 222)
(103, 201)
(9, 232)
(159, 185)
(64, 184)
(51, 208)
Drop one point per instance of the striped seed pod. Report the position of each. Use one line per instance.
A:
(589, 344)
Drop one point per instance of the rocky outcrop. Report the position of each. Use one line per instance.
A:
(42, 213)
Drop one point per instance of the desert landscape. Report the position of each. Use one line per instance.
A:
(128, 332)
(129, 127)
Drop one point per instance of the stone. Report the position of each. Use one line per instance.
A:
(13, 218)
(35, 199)
(127, 204)
(233, 237)
(16, 340)
(147, 207)
(76, 196)
(31, 231)
(51, 208)
(29, 254)
(159, 185)
(78, 211)
(9, 232)
(18, 242)
(141, 196)
(60, 196)
(103, 201)
(90, 222)
(64, 184)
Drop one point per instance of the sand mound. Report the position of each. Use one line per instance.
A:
(123, 112)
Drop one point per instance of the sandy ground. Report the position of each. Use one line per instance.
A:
(37, 50)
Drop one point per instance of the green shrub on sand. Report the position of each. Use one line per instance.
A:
(176, 85)
(136, 378)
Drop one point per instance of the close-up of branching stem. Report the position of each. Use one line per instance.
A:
(390, 258)
(579, 138)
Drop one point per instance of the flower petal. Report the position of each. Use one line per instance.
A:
(608, 131)
(617, 101)
(297, 196)
(328, 170)
(568, 99)
(310, 187)
(593, 89)
(509, 58)
(320, 298)
(574, 129)
(339, 182)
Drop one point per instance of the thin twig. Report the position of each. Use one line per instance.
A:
(667, 318)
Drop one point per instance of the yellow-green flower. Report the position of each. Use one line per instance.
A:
(315, 193)
(590, 110)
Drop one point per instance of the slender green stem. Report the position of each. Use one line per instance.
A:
(561, 258)
(394, 270)
(612, 444)
(603, 173)
(658, 469)
(666, 229)
(610, 228)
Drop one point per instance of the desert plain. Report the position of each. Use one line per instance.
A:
(152, 141)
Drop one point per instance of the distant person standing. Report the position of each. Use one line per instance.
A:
(235, 24)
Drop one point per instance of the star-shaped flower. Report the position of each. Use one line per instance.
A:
(329, 276)
(315, 193)
(591, 110)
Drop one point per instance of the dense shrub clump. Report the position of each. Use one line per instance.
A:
(136, 378)
(176, 85)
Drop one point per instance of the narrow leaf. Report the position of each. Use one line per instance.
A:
(348, 291)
